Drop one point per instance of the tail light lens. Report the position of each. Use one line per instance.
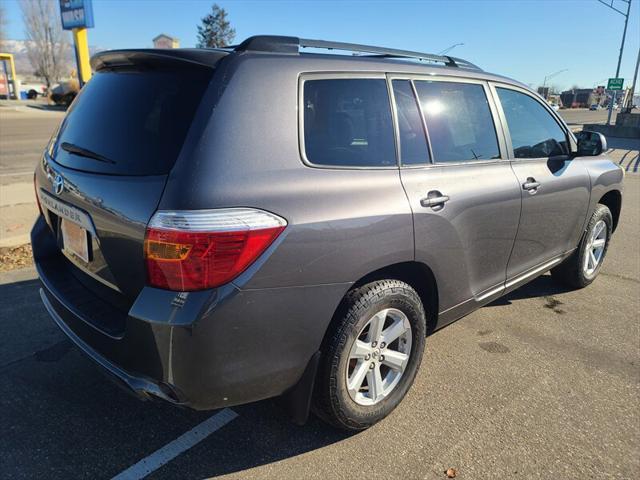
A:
(199, 249)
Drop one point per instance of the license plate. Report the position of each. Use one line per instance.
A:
(75, 240)
(66, 211)
(76, 225)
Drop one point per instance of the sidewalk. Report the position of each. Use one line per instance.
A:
(625, 152)
(18, 212)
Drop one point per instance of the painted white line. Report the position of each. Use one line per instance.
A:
(181, 444)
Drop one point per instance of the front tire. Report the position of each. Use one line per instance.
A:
(371, 355)
(583, 266)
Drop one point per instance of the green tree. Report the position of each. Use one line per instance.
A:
(215, 31)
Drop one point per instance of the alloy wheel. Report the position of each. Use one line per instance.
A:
(595, 248)
(379, 357)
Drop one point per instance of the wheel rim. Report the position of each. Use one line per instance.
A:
(379, 357)
(595, 248)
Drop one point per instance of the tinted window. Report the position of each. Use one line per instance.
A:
(413, 143)
(348, 123)
(136, 119)
(534, 132)
(459, 121)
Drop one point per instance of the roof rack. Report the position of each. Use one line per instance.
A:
(292, 45)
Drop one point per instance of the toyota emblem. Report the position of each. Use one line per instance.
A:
(58, 184)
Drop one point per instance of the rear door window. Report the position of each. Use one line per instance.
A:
(347, 123)
(413, 143)
(534, 132)
(459, 121)
(135, 122)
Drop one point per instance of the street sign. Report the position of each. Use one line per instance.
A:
(76, 14)
(615, 84)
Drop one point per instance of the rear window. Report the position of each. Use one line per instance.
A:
(135, 122)
(347, 123)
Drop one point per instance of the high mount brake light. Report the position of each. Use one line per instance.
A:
(198, 249)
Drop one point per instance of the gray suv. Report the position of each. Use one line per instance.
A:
(224, 226)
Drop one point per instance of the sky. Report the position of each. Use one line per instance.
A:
(522, 39)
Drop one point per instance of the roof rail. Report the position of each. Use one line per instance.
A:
(292, 45)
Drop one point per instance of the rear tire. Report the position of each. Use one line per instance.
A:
(383, 310)
(583, 266)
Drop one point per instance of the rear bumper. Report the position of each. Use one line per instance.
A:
(204, 350)
(140, 387)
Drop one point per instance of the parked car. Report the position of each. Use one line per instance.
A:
(555, 107)
(65, 92)
(256, 222)
(595, 106)
(33, 89)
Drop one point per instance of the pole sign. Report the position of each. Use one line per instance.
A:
(615, 84)
(76, 14)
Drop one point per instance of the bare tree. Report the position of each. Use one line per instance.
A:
(3, 25)
(46, 42)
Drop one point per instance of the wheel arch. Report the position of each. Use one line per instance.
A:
(416, 274)
(613, 201)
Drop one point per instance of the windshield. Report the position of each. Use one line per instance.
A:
(128, 122)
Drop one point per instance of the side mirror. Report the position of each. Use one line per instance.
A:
(591, 144)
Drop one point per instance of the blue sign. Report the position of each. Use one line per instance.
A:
(76, 14)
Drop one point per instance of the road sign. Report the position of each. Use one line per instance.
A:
(76, 14)
(615, 84)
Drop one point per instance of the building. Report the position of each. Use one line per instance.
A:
(165, 41)
(544, 92)
(583, 97)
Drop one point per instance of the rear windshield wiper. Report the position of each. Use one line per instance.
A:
(83, 152)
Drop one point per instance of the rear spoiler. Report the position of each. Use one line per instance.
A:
(195, 57)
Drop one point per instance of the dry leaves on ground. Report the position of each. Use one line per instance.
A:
(12, 258)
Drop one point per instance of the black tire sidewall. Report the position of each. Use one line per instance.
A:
(395, 295)
(601, 213)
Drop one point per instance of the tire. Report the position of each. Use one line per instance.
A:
(399, 306)
(68, 99)
(575, 272)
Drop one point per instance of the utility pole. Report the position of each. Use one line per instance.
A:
(624, 34)
(627, 108)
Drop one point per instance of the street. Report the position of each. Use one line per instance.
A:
(582, 116)
(544, 383)
(24, 132)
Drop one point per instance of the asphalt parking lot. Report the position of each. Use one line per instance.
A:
(544, 383)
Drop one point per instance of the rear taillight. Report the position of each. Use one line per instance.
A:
(198, 249)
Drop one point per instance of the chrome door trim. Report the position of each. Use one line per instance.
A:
(490, 293)
(534, 271)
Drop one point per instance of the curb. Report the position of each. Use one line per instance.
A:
(15, 241)
(19, 275)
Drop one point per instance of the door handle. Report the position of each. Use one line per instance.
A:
(434, 199)
(531, 185)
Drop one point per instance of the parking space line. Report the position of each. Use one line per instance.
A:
(174, 448)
